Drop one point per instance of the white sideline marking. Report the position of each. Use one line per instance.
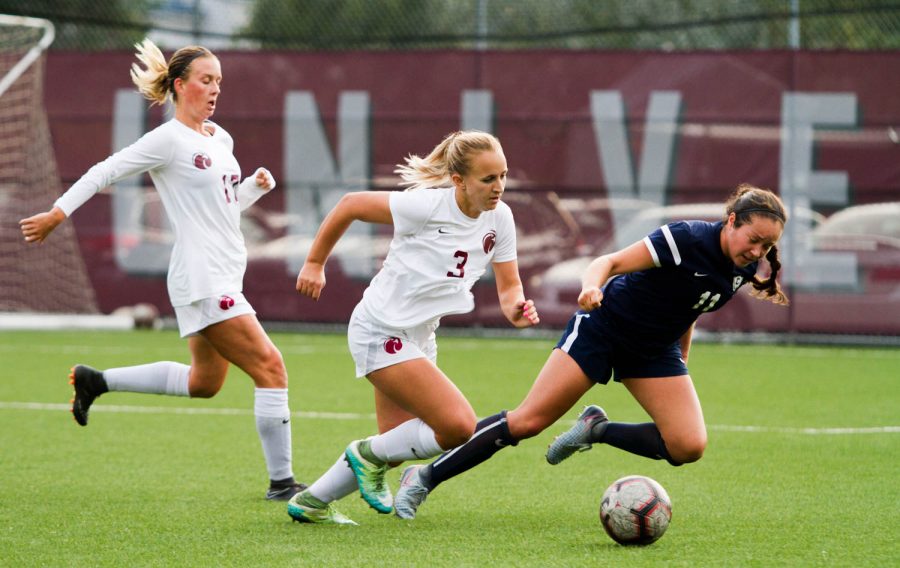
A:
(103, 408)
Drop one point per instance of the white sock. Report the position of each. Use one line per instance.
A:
(273, 423)
(164, 377)
(412, 440)
(336, 483)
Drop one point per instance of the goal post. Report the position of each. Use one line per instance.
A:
(48, 32)
(51, 277)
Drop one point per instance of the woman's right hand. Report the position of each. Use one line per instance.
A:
(311, 279)
(590, 298)
(37, 227)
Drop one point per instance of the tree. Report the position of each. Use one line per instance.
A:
(88, 24)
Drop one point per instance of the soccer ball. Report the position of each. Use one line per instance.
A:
(145, 315)
(635, 510)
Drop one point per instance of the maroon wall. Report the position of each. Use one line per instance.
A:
(729, 132)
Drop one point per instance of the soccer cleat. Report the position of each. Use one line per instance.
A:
(284, 490)
(89, 384)
(578, 437)
(327, 515)
(370, 478)
(411, 494)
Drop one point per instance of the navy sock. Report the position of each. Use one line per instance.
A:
(641, 439)
(491, 435)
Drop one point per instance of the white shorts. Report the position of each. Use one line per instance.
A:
(376, 346)
(201, 314)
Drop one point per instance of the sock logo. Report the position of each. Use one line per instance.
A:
(392, 345)
(286, 420)
(225, 302)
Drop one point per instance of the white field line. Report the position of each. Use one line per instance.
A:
(178, 410)
(104, 408)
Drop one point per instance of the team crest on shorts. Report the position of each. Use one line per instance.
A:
(488, 241)
(392, 345)
(736, 283)
(201, 161)
(225, 302)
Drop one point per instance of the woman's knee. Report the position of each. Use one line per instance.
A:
(206, 378)
(522, 425)
(205, 387)
(271, 372)
(456, 431)
(687, 449)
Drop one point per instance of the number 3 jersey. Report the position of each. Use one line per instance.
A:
(197, 178)
(653, 308)
(436, 256)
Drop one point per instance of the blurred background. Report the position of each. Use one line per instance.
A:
(616, 117)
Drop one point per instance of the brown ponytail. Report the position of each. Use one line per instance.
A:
(769, 289)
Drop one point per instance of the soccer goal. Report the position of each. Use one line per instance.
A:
(48, 278)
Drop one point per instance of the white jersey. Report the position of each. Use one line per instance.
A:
(436, 256)
(197, 178)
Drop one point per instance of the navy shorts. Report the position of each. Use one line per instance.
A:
(590, 339)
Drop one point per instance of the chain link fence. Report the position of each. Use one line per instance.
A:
(471, 24)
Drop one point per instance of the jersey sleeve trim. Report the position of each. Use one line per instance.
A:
(652, 250)
(676, 256)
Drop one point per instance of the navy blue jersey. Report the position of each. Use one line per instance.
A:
(653, 308)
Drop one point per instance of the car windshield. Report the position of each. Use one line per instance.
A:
(882, 219)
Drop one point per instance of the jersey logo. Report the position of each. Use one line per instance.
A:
(488, 241)
(201, 161)
(225, 302)
(443, 231)
(736, 283)
(700, 275)
(392, 345)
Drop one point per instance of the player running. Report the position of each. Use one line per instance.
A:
(190, 161)
(448, 228)
(639, 328)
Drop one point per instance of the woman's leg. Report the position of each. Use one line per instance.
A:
(419, 389)
(556, 389)
(418, 410)
(242, 341)
(202, 378)
(677, 433)
(339, 481)
(673, 405)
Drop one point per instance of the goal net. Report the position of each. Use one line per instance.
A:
(33, 278)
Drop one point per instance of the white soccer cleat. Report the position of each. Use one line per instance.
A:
(411, 494)
(578, 437)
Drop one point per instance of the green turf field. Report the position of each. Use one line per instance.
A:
(801, 467)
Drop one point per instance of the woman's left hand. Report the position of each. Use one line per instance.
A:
(265, 179)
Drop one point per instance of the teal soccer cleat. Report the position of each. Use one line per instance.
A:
(370, 478)
(303, 512)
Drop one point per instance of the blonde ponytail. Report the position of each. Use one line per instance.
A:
(153, 80)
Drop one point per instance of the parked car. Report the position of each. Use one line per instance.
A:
(871, 305)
